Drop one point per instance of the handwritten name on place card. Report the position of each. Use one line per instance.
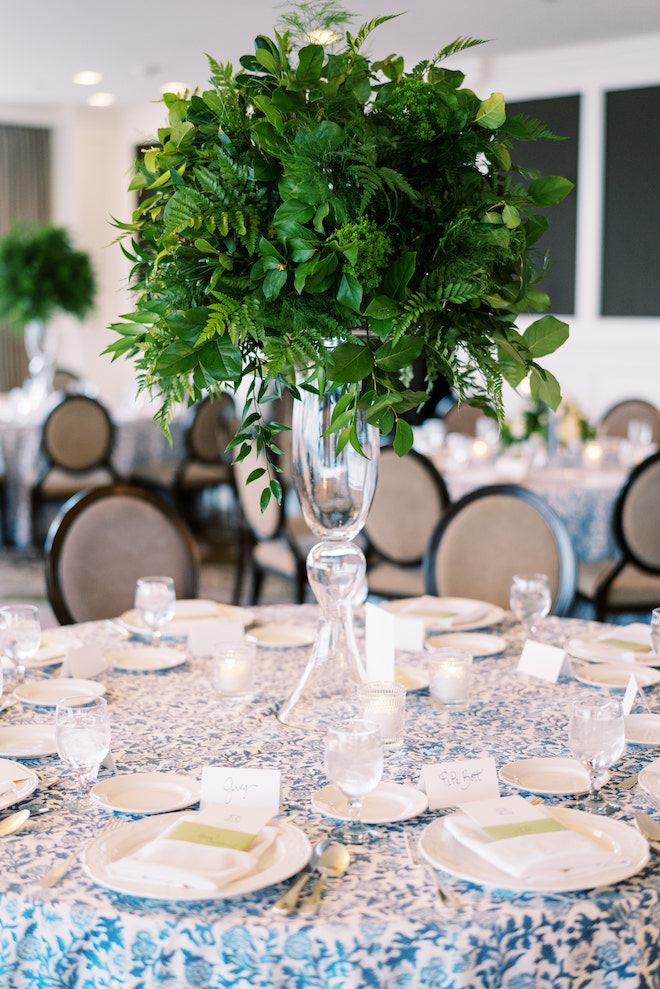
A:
(241, 787)
(449, 783)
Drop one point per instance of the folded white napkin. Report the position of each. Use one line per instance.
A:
(617, 644)
(195, 608)
(548, 857)
(448, 613)
(173, 861)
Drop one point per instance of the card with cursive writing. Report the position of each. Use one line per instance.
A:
(448, 784)
(232, 787)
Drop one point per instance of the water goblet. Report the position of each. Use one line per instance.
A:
(20, 635)
(530, 598)
(596, 738)
(655, 631)
(82, 735)
(155, 598)
(354, 763)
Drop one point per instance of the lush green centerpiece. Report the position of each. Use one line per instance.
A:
(322, 196)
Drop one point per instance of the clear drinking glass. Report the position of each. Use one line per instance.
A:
(354, 763)
(82, 734)
(20, 635)
(155, 598)
(596, 738)
(655, 631)
(530, 598)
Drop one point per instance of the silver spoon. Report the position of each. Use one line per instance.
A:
(289, 899)
(13, 822)
(333, 862)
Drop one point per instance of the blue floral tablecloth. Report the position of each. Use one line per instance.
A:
(379, 926)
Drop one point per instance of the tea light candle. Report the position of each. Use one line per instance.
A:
(450, 677)
(233, 670)
(592, 453)
(383, 703)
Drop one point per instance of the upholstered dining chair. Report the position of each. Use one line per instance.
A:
(270, 542)
(462, 419)
(492, 534)
(77, 441)
(616, 420)
(205, 463)
(103, 540)
(410, 500)
(631, 582)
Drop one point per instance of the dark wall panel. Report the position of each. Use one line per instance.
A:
(631, 250)
(561, 115)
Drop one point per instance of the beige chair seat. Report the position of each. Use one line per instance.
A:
(60, 485)
(389, 581)
(631, 590)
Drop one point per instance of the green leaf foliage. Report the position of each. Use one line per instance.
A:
(325, 217)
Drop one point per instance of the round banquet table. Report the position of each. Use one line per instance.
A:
(381, 924)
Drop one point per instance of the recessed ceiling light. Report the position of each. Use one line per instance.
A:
(100, 99)
(173, 87)
(87, 78)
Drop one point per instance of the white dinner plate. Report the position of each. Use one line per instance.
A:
(642, 729)
(387, 803)
(476, 643)
(145, 659)
(25, 782)
(27, 741)
(649, 780)
(604, 675)
(46, 693)
(615, 647)
(289, 853)
(146, 793)
(411, 677)
(187, 610)
(448, 614)
(444, 852)
(277, 635)
(558, 776)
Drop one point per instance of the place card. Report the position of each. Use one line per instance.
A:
(379, 639)
(204, 636)
(232, 787)
(509, 817)
(84, 660)
(543, 661)
(631, 691)
(448, 784)
(409, 633)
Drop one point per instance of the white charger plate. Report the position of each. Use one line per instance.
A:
(642, 729)
(388, 802)
(47, 693)
(146, 793)
(554, 776)
(609, 675)
(26, 781)
(476, 643)
(411, 677)
(187, 610)
(490, 615)
(145, 659)
(27, 741)
(277, 635)
(444, 852)
(289, 854)
(649, 780)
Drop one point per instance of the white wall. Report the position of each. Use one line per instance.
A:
(605, 358)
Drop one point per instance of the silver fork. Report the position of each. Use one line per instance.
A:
(60, 869)
(447, 896)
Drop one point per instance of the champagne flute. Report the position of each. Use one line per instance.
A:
(82, 735)
(596, 738)
(20, 634)
(655, 631)
(155, 598)
(354, 762)
(530, 598)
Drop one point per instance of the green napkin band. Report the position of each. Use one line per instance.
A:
(206, 834)
(499, 831)
(623, 644)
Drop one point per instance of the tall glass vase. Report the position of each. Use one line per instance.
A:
(335, 491)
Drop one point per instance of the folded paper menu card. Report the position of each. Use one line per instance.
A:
(445, 612)
(529, 843)
(205, 850)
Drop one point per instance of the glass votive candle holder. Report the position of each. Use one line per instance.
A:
(450, 677)
(384, 703)
(233, 670)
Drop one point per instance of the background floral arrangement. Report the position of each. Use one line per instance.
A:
(571, 425)
(317, 197)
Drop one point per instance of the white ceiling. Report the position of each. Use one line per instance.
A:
(140, 44)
